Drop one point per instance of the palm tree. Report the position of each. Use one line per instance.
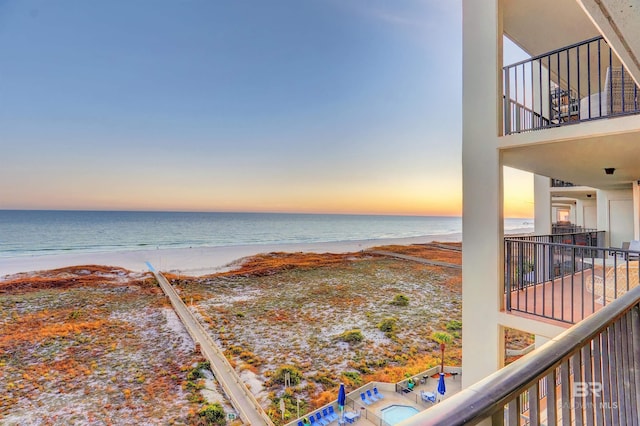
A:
(442, 338)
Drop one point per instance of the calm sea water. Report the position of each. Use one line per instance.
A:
(31, 233)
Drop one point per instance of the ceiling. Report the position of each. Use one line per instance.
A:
(542, 26)
(582, 161)
(618, 21)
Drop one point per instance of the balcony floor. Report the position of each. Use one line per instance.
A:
(564, 299)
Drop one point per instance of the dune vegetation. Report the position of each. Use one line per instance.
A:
(101, 345)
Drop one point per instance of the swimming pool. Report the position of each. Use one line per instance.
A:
(396, 413)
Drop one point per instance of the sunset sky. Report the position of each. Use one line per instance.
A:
(280, 106)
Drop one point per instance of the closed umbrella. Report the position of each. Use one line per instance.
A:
(441, 386)
(342, 398)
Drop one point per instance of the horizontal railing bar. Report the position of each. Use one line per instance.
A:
(554, 52)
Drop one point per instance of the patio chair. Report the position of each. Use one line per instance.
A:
(320, 420)
(378, 394)
(616, 97)
(634, 246)
(371, 396)
(327, 416)
(365, 399)
(614, 283)
(332, 413)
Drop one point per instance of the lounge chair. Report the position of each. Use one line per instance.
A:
(371, 396)
(332, 413)
(365, 399)
(320, 420)
(378, 394)
(312, 420)
(300, 423)
(634, 247)
(327, 416)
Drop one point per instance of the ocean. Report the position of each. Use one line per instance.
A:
(40, 232)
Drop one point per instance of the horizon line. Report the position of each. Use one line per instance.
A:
(243, 212)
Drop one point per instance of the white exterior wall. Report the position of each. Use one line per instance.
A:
(588, 214)
(579, 213)
(542, 205)
(615, 215)
(482, 277)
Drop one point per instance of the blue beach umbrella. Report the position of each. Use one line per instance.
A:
(441, 387)
(342, 398)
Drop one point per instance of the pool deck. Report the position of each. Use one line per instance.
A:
(372, 413)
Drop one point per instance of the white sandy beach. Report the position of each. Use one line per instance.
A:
(195, 261)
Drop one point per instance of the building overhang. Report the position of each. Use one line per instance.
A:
(580, 153)
(619, 22)
(570, 194)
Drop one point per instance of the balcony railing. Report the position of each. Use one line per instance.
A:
(584, 81)
(589, 374)
(566, 277)
(569, 228)
(557, 183)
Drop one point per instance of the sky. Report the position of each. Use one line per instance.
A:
(323, 106)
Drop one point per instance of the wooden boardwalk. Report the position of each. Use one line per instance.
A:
(250, 411)
(415, 259)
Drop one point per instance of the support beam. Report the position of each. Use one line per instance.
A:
(482, 276)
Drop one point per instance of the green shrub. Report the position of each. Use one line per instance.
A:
(388, 325)
(213, 414)
(353, 376)
(454, 325)
(294, 374)
(441, 337)
(324, 380)
(196, 372)
(400, 300)
(351, 336)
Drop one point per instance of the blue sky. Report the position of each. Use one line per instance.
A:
(281, 105)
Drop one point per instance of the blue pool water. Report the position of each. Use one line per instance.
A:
(396, 413)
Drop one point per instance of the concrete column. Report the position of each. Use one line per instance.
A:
(542, 204)
(602, 206)
(482, 270)
(579, 213)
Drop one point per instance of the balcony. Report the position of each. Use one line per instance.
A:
(590, 374)
(570, 228)
(565, 277)
(581, 82)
